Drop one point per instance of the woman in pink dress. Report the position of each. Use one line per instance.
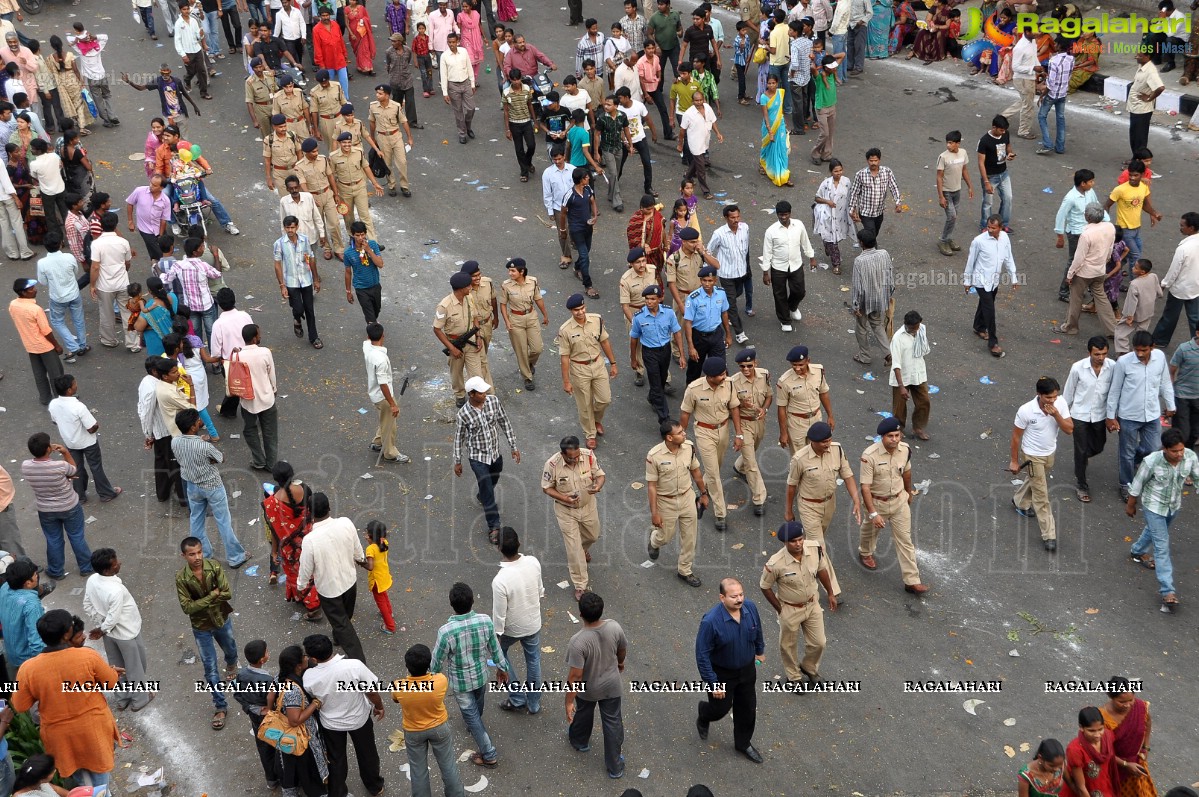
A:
(153, 139)
(506, 10)
(472, 33)
(362, 38)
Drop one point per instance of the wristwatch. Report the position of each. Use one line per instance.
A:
(739, 437)
(872, 516)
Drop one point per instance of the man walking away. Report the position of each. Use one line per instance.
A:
(260, 415)
(1024, 76)
(77, 427)
(331, 553)
(873, 286)
(108, 601)
(380, 390)
(1057, 84)
(595, 657)
(426, 723)
(59, 272)
(37, 337)
(198, 460)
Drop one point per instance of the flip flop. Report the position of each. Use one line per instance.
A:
(298, 328)
(1144, 561)
(1083, 496)
(218, 719)
(316, 344)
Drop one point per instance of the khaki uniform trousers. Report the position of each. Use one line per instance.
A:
(711, 445)
(593, 393)
(328, 208)
(798, 427)
(525, 334)
(385, 434)
(357, 198)
(580, 530)
(809, 618)
(899, 515)
(280, 176)
(628, 327)
(678, 313)
(815, 519)
(678, 510)
(1035, 493)
(747, 461)
(262, 115)
(473, 362)
(328, 131)
(391, 148)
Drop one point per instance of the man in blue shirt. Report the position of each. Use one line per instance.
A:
(706, 322)
(1140, 387)
(20, 609)
(650, 336)
(363, 259)
(728, 651)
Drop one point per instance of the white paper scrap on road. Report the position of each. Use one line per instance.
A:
(647, 564)
(482, 784)
(563, 584)
(465, 755)
(643, 774)
(91, 519)
(152, 779)
(573, 619)
(970, 705)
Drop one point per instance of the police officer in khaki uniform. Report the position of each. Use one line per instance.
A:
(387, 120)
(670, 467)
(812, 477)
(801, 393)
(455, 317)
(520, 296)
(326, 99)
(791, 582)
(572, 477)
(260, 87)
(682, 273)
(351, 173)
(346, 123)
(887, 493)
(292, 103)
(713, 402)
(317, 178)
(633, 282)
(581, 341)
(280, 152)
(482, 297)
(752, 386)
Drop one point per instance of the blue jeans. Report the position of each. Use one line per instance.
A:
(780, 72)
(1059, 106)
(1156, 537)
(342, 77)
(441, 739)
(1169, 320)
(532, 647)
(211, 33)
(209, 426)
(58, 322)
(201, 500)
(487, 476)
(218, 210)
(147, 15)
(1132, 238)
(202, 321)
(258, 11)
(54, 524)
(224, 638)
(88, 778)
(1138, 439)
(836, 46)
(8, 775)
(1001, 185)
(471, 705)
(582, 241)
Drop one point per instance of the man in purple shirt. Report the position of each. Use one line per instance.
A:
(148, 209)
(525, 57)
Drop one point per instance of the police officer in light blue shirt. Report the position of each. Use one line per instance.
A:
(706, 323)
(652, 330)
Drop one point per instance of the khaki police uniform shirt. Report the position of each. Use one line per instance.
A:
(348, 168)
(260, 90)
(519, 298)
(453, 317)
(327, 102)
(671, 470)
(817, 475)
(582, 342)
(355, 128)
(632, 284)
(574, 480)
(683, 271)
(794, 580)
(387, 120)
(313, 174)
(882, 472)
(801, 393)
(293, 107)
(752, 394)
(480, 298)
(283, 152)
(710, 405)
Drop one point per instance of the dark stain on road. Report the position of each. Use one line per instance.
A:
(944, 94)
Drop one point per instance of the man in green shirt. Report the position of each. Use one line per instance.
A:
(1159, 486)
(664, 29)
(204, 594)
(581, 141)
(681, 92)
(826, 107)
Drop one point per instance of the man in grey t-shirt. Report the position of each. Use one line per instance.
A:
(595, 656)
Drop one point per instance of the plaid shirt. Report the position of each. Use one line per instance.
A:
(1061, 66)
(477, 429)
(868, 191)
(193, 274)
(800, 72)
(1159, 484)
(589, 49)
(464, 644)
(77, 230)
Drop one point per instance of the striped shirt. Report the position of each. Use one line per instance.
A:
(873, 281)
(731, 250)
(294, 257)
(1061, 66)
(868, 191)
(593, 50)
(187, 36)
(198, 460)
(193, 274)
(50, 480)
(463, 646)
(477, 429)
(1159, 484)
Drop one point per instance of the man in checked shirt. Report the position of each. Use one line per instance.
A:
(475, 429)
(868, 190)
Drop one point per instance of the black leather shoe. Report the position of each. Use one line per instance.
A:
(1051, 545)
(752, 754)
(692, 580)
(654, 553)
(721, 525)
(702, 727)
(759, 510)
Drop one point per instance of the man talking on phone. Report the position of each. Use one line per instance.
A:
(1034, 441)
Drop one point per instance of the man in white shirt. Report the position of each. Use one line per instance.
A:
(158, 437)
(226, 330)
(345, 713)
(909, 374)
(189, 43)
(571, 98)
(302, 205)
(77, 427)
(291, 28)
(784, 247)
(516, 593)
(382, 395)
(332, 551)
(111, 258)
(260, 415)
(989, 258)
(1024, 66)
(698, 124)
(729, 244)
(1086, 392)
(1034, 441)
(639, 119)
(90, 47)
(119, 623)
(1181, 283)
(46, 168)
(12, 227)
(458, 86)
(556, 185)
(59, 271)
(625, 75)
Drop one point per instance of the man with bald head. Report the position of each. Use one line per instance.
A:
(728, 651)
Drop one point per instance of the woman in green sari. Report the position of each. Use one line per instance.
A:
(157, 314)
(776, 143)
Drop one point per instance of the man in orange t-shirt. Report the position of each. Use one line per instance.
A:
(426, 724)
(38, 338)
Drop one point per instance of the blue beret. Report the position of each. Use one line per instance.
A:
(791, 530)
(889, 425)
(688, 234)
(635, 254)
(651, 290)
(322, 75)
(255, 61)
(285, 81)
(348, 108)
(707, 271)
(575, 300)
(346, 136)
(309, 145)
(746, 355)
(797, 354)
(819, 432)
(470, 267)
(278, 119)
(516, 262)
(714, 366)
(459, 280)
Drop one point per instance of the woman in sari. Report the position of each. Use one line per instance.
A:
(299, 775)
(22, 181)
(831, 213)
(1086, 60)
(506, 10)
(287, 512)
(1042, 777)
(776, 143)
(1127, 717)
(472, 33)
(157, 317)
(70, 84)
(77, 168)
(1090, 760)
(646, 228)
(362, 38)
(153, 140)
(929, 44)
(905, 25)
(878, 31)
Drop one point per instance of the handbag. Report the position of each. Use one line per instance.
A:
(36, 207)
(279, 733)
(238, 379)
(760, 55)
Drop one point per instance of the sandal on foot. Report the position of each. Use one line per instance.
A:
(1170, 600)
(480, 761)
(316, 344)
(298, 328)
(1083, 495)
(493, 536)
(836, 269)
(218, 719)
(709, 196)
(1144, 561)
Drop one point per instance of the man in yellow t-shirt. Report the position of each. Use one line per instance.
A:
(1130, 198)
(426, 724)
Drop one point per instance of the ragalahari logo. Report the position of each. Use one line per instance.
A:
(973, 25)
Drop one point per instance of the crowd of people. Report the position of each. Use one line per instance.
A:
(686, 298)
